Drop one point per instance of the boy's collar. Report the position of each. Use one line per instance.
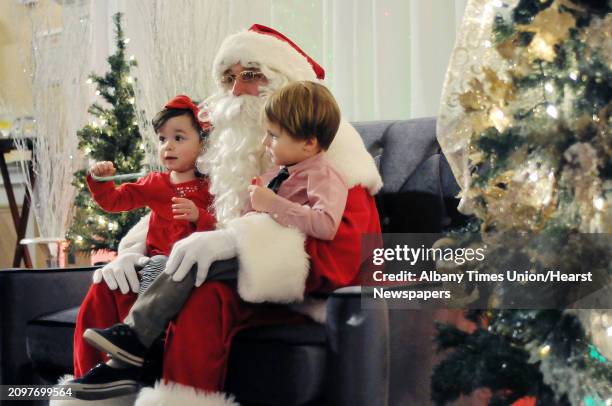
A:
(306, 162)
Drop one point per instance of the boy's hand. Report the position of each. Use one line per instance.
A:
(261, 197)
(185, 209)
(101, 169)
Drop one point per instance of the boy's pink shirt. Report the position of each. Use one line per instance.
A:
(312, 199)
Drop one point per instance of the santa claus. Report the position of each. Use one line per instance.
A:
(277, 264)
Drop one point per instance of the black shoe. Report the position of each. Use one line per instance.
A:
(103, 382)
(119, 341)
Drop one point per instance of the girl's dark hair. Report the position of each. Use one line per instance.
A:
(166, 114)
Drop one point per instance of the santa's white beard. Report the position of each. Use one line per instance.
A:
(234, 153)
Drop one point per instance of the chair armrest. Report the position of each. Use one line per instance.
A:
(351, 329)
(24, 295)
(356, 291)
(360, 346)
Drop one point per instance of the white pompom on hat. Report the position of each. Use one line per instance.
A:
(264, 46)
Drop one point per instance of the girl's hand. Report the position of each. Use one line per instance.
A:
(261, 197)
(101, 169)
(185, 209)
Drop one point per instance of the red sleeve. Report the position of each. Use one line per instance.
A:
(335, 264)
(127, 196)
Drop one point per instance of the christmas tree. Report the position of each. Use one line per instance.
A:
(113, 136)
(539, 158)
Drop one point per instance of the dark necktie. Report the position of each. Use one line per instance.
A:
(282, 176)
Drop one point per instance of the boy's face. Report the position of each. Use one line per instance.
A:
(286, 150)
(179, 144)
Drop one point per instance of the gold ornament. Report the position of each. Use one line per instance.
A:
(551, 27)
(518, 58)
(474, 99)
(500, 91)
(507, 48)
(484, 102)
(523, 198)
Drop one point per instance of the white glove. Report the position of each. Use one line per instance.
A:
(202, 248)
(121, 273)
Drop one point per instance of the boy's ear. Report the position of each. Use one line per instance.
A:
(311, 144)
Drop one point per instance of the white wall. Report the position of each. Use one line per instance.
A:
(384, 59)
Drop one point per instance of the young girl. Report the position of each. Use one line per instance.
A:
(302, 119)
(179, 201)
(179, 198)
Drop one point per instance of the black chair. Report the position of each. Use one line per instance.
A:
(359, 357)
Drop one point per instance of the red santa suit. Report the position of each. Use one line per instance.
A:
(277, 264)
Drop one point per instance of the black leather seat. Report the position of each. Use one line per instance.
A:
(292, 356)
(283, 364)
(49, 342)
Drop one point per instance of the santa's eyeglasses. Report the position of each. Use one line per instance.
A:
(245, 76)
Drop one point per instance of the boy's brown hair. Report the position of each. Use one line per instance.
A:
(305, 110)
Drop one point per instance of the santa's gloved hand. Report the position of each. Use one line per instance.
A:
(121, 272)
(202, 248)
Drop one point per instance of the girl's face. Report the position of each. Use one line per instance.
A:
(179, 144)
(286, 150)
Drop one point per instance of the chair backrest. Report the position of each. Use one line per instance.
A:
(419, 188)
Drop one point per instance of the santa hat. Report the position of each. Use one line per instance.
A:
(264, 46)
(182, 102)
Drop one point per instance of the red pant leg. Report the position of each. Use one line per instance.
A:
(198, 340)
(101, 308)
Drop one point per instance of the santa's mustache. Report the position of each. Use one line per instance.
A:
(227, 110)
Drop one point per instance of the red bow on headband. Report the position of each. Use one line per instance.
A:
(184, 102)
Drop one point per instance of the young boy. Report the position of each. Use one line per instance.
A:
(302, 119)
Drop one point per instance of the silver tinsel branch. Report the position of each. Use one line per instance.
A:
(60, 62)
(174, 43)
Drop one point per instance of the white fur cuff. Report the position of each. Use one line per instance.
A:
(273, 261)
(175, 394)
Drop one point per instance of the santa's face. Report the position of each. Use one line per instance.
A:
(243, 81)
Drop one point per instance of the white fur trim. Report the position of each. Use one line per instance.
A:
(136, 239)
(348, 155)
(172, 394)
(273, 262)
(254, 49)
(126, 400)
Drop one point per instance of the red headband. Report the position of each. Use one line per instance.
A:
(262, 29)
(183, 102)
